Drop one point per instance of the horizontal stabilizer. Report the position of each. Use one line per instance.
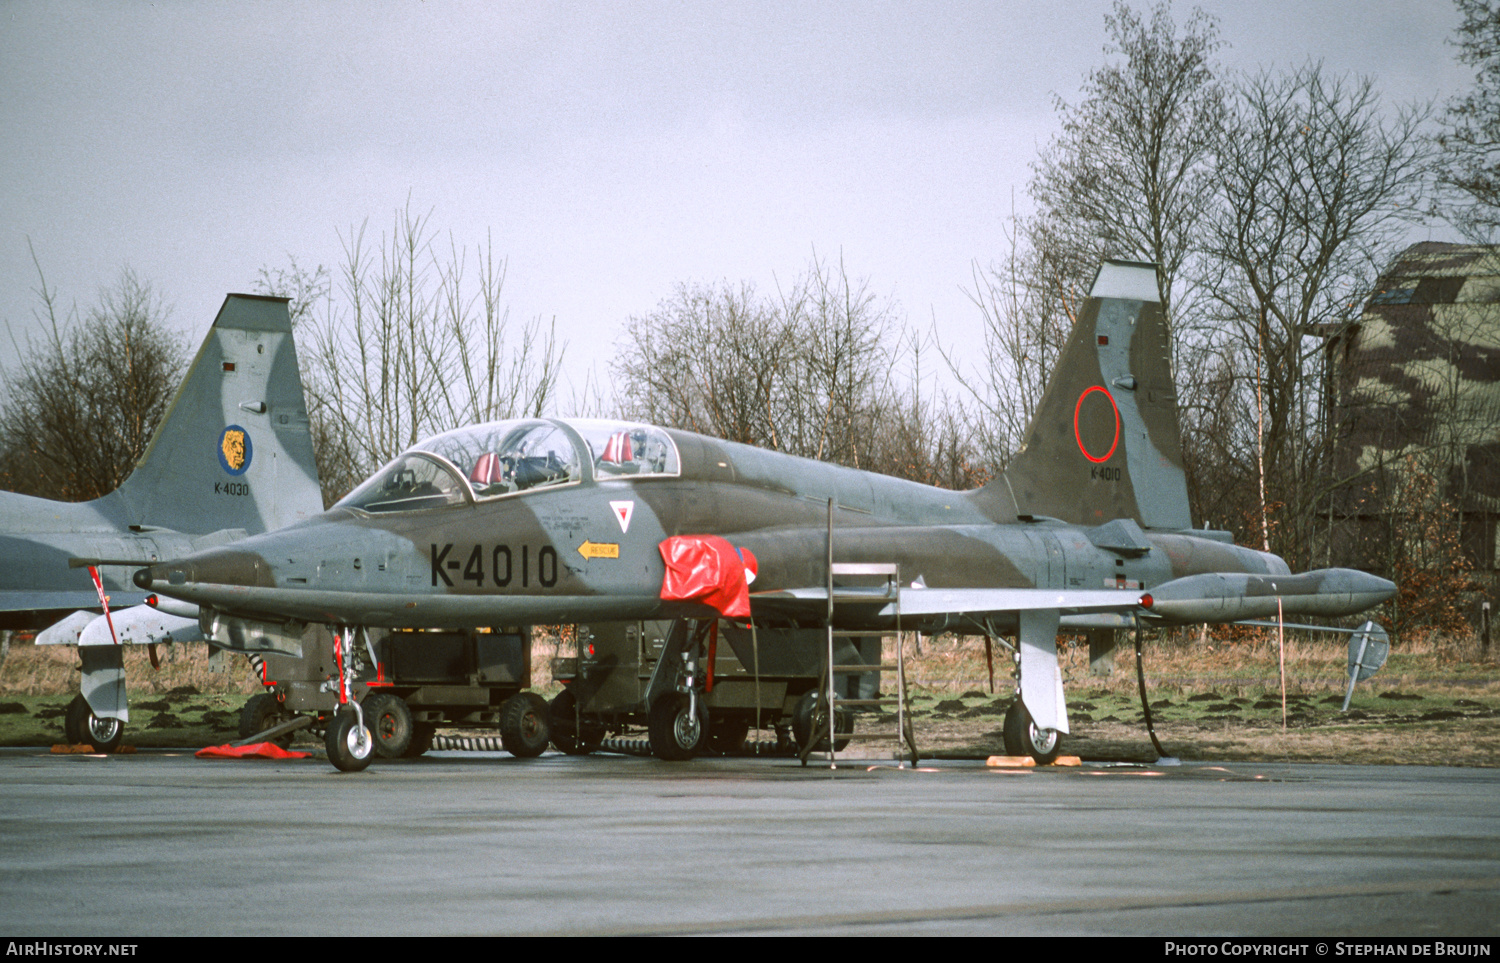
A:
(25, 600)
(141, 625)
(137, 625)
(67, 631)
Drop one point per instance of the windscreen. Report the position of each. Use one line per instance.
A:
(412, 482)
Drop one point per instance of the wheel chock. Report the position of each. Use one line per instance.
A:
(1022, 762)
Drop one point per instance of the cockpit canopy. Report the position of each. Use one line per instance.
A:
(509, 457)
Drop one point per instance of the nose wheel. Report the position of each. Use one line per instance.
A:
(350, 745)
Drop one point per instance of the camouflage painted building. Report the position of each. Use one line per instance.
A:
(1417, 416)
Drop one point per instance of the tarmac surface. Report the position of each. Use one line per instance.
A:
(161, 843)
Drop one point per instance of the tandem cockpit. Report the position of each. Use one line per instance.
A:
(501, 458)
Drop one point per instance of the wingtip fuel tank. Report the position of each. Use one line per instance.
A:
(1232, 596)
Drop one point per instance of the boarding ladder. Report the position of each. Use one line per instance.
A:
(884, 597)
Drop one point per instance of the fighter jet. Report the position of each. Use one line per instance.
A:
(547, 521)
(232, 457)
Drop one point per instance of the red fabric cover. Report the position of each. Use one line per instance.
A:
(256, 750)
(707, 569)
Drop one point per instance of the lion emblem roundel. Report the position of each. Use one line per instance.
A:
(234, 450)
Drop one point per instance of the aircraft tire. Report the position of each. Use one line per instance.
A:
(81, 725)
(675, 734)
(523, 725)
(72, 730)
(350, 745)
(808, 717)
(390, 724)
(260, 713)
(1023, 738)
(422, 734)
(562, 725)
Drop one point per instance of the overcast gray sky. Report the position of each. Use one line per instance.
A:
(611, 150)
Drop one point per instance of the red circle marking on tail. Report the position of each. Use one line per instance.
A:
(1078, 408)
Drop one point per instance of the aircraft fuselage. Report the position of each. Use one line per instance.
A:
(589, 550)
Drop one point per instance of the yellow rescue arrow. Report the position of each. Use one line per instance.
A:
(599, 550)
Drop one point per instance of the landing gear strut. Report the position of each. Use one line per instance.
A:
(350, 744)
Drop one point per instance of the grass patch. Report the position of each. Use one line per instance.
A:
(1213, 696)
(1218, 695)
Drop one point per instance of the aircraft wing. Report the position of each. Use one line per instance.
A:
(1037, 613)
(957, 602)
(991, 601)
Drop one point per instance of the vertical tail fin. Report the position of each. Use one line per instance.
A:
(234, 449)
(1105, 442)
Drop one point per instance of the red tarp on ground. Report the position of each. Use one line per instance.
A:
(256, 750)
(707, 569)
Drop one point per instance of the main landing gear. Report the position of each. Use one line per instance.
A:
(1039, 683)
(678, 726)
(1023, 737)
(81, 725)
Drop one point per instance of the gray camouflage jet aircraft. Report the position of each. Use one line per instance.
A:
(547, 521)
(232, 457)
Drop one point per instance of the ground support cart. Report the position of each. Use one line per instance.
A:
(408, 684)
(700, 686)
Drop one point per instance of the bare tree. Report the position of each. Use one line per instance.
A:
(305, 288)
(933, 439)
(808, 372)
(714, 360)
(1028, 302)
(1126, 176)
(1128, 173)
(415, 339)
(805, 372)
(1470, 160)
(82, 405)
(1313, 184)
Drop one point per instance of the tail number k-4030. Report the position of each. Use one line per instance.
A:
(500, 565)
